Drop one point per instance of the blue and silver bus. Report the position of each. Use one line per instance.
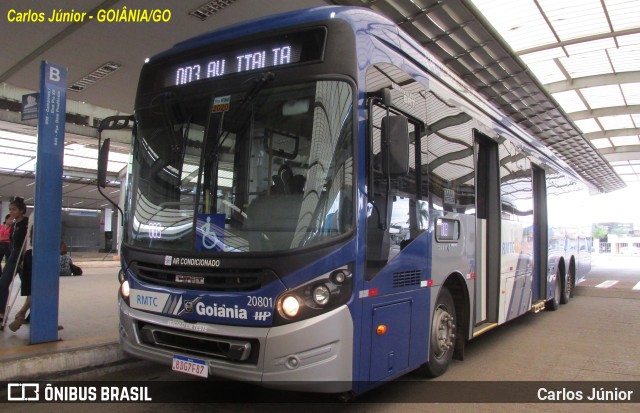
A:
(315, 203)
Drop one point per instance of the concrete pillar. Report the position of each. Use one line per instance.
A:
(4, 208)
(107, 228)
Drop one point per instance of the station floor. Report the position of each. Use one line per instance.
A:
(88, 314)
(88, 311)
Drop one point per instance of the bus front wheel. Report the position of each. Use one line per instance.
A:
(442, 336)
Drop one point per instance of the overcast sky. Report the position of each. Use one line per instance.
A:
(618, 206)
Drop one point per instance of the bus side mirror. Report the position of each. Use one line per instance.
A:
(103, 162)
(114, 123)
(395, 145)
(108, 123)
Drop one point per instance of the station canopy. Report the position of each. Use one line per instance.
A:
(568, 71)
(565, 70)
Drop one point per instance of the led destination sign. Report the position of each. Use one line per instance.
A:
(261, 54)
(245, 61)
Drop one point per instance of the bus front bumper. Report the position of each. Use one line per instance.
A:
(310, 355)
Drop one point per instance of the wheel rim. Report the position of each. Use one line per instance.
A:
(442, 332)
(569, 285)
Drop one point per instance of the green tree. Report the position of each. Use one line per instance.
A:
(599, 232)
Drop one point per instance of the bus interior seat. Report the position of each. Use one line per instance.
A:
(285, 182)
(273, 219)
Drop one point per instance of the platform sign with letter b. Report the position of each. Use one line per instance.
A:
(48, 203)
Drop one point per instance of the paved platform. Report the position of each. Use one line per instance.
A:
(88, 312)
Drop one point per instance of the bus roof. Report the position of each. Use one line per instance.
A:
(277, 21)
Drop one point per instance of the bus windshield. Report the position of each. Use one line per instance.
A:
(263, 168)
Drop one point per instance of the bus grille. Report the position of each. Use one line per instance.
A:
(186, 343)
(406, 278)
(206, 279)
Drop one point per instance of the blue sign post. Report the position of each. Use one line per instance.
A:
(48, 204)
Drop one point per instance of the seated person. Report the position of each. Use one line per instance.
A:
(67, 267)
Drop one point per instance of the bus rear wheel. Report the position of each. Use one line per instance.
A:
(442, 336)
(567, 290)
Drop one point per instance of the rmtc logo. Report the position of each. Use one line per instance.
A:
(147, 301)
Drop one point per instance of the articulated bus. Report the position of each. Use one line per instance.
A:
(315, 203)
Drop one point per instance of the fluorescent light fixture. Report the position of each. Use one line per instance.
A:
(210, 8)
(80, 210)
(98, 74)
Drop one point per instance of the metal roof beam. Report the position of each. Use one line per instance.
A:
(591, 81)
(621, 149)
(578, 40)
(614, 155)
(612, 133)
(600, 112)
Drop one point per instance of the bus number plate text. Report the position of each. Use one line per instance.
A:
(190, 365)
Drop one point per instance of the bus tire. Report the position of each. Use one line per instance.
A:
(566, 289)
(572, 272)
(554, 303)
(442, 337)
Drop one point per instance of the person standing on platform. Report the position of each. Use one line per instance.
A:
(18, 211)
(5, 239)
(25, 278)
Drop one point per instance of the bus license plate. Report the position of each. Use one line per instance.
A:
(190, 365)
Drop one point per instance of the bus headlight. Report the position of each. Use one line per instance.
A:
(124, 286)
(322, 294)
(124, 290)
(290, 306)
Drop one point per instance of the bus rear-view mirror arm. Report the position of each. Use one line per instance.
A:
(109, 123)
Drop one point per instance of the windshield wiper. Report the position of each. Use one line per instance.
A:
(260, 82)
